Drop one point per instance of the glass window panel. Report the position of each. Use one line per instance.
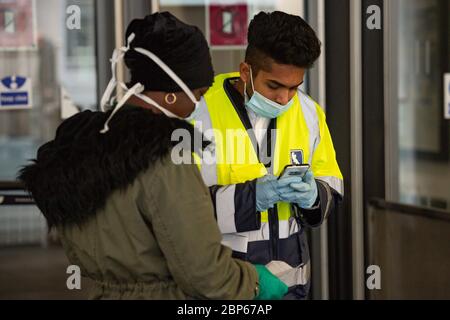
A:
(423, 57)
(59, 58)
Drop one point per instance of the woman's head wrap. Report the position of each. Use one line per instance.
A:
(182, 47)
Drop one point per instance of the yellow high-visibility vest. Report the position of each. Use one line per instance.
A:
(292, 134)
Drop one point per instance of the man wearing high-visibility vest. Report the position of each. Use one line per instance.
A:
(263, 218)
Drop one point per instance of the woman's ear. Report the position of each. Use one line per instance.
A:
(244, 70)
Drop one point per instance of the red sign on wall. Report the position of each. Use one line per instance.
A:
(17, 24)
(228, 25)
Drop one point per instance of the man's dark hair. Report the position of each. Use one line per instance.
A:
(285, 38)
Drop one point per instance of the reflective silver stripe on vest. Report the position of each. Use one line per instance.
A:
(203, 123)
(286, 228)
(298, 276)
(239, 241)
(312, 121)
(335, 183)
(225, 209)
(236, 242)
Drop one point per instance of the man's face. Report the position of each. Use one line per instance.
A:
(279, 83)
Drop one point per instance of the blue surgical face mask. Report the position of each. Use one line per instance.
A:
(262, 106)
(195, 113)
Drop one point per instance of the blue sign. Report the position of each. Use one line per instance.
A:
(297, 157)
(14, 98)
(14, 83)
(15, 93)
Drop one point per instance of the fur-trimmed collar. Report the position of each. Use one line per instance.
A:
(75, 173)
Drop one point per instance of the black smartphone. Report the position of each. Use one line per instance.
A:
(298, 170)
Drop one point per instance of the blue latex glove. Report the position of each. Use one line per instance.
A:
(270, 287)
(303, 193)
(269, 191)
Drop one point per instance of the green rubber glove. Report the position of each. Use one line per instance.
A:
(270, 287)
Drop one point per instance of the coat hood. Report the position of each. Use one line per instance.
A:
(74, 174)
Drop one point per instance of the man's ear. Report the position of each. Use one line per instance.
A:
(244, 70)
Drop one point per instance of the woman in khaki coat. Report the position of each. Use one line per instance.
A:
(137, 224)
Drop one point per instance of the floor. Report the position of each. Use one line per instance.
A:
(36, 273)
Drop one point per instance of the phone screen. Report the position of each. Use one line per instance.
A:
(293, 171)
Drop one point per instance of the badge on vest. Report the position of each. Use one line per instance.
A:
(296, 157)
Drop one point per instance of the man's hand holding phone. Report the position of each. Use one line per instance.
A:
(269, 190)
(302, 186)
(295, 184)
